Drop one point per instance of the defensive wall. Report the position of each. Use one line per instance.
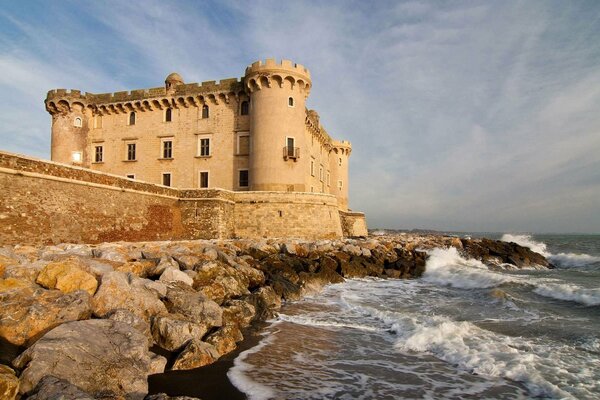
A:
(43, 202)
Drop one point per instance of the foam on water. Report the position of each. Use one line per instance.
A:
(564, 260)
(447, 267)
(569, 292)
(239, 377)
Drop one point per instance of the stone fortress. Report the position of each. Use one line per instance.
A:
(240, 158)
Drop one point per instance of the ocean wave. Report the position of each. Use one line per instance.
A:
(527, 241)
(238, 374)
(308, 321)
(479, 351)
(569, 260)
(569, 292)
(448, 268)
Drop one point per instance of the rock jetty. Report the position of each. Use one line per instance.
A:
(93, 321)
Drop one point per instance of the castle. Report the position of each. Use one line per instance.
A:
(240, 158)
(250, 134)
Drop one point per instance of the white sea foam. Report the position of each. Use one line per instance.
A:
(527, 241)
(447, 267)
(569, 260)
(239, 377)
(569, 292)
(308, 321)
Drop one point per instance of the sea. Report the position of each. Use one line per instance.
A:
(462, 331)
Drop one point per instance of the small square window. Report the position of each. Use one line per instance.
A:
(130, 176)
(77, 123)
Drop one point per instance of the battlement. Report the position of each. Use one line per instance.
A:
(225, 86)
(285, 66)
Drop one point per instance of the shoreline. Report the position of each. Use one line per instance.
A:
(210, 382)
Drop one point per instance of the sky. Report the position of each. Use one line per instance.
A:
(463, 115)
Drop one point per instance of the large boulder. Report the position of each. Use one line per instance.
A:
(9, 383)
(196, 354)
(67, 276)
(194, 306)
(175, 275)
(173, 331)
(135, 321)
(28, 313)
(98, 356)
(495, 252)
(225, 339)
(238, 313)
(126, 291)
(53, 388)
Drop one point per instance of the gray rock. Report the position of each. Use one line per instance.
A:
(133, 320)
(182, 299)
(175, 275)
(173, 331)
(98, 356)
(196, 354)
(120, 291)
(53, 388)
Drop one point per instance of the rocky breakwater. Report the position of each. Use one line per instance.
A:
(93, 321)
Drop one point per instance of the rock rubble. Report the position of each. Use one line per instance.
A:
(88, 316)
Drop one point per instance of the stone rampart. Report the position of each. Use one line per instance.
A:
(44, 202)
(354, 224)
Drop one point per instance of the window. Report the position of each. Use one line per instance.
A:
(340, 184)
(131, 152)
(203, 147)
(130, 176)
(328, 179)
(76, 156)
(203, 179)
(340, 161)
(312, 167)
(244, 108)
(321, 177)
(205, 111)
(77, 123)
(132, 118)
(98, 121)
(99, 154)
(312, 189)
(167, 149)
(243, 178)
(243, 145)
(290, 102)
(166, 179)
(168, 114)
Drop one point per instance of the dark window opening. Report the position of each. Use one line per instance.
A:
(244, 108)
(131, 152)
(244, 178)
(132, 118)
(166, 179)
(168, 115)
(167, 149)
(205, 111)
(99, 154)
(204, 147)
(203, 179)
(291, 102)
(131, 176)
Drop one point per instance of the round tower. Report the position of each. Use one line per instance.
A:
(70, 126)
(279, 158)
(339, 159)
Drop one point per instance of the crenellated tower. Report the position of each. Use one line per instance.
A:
(278, 93)
(70, 126)
(339, 159)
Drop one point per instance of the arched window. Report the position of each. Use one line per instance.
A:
(168, 115)
(244, 108)
(291, 102)
(205, 111)
(77, 122)
(132, 118)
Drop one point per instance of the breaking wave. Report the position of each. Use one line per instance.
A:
(569, 292)
(564, 260)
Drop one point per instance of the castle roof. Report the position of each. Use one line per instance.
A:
(174, 77)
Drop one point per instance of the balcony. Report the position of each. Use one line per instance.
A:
(291, 153)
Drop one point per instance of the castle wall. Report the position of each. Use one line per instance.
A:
(354, 224)
(46, 202)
